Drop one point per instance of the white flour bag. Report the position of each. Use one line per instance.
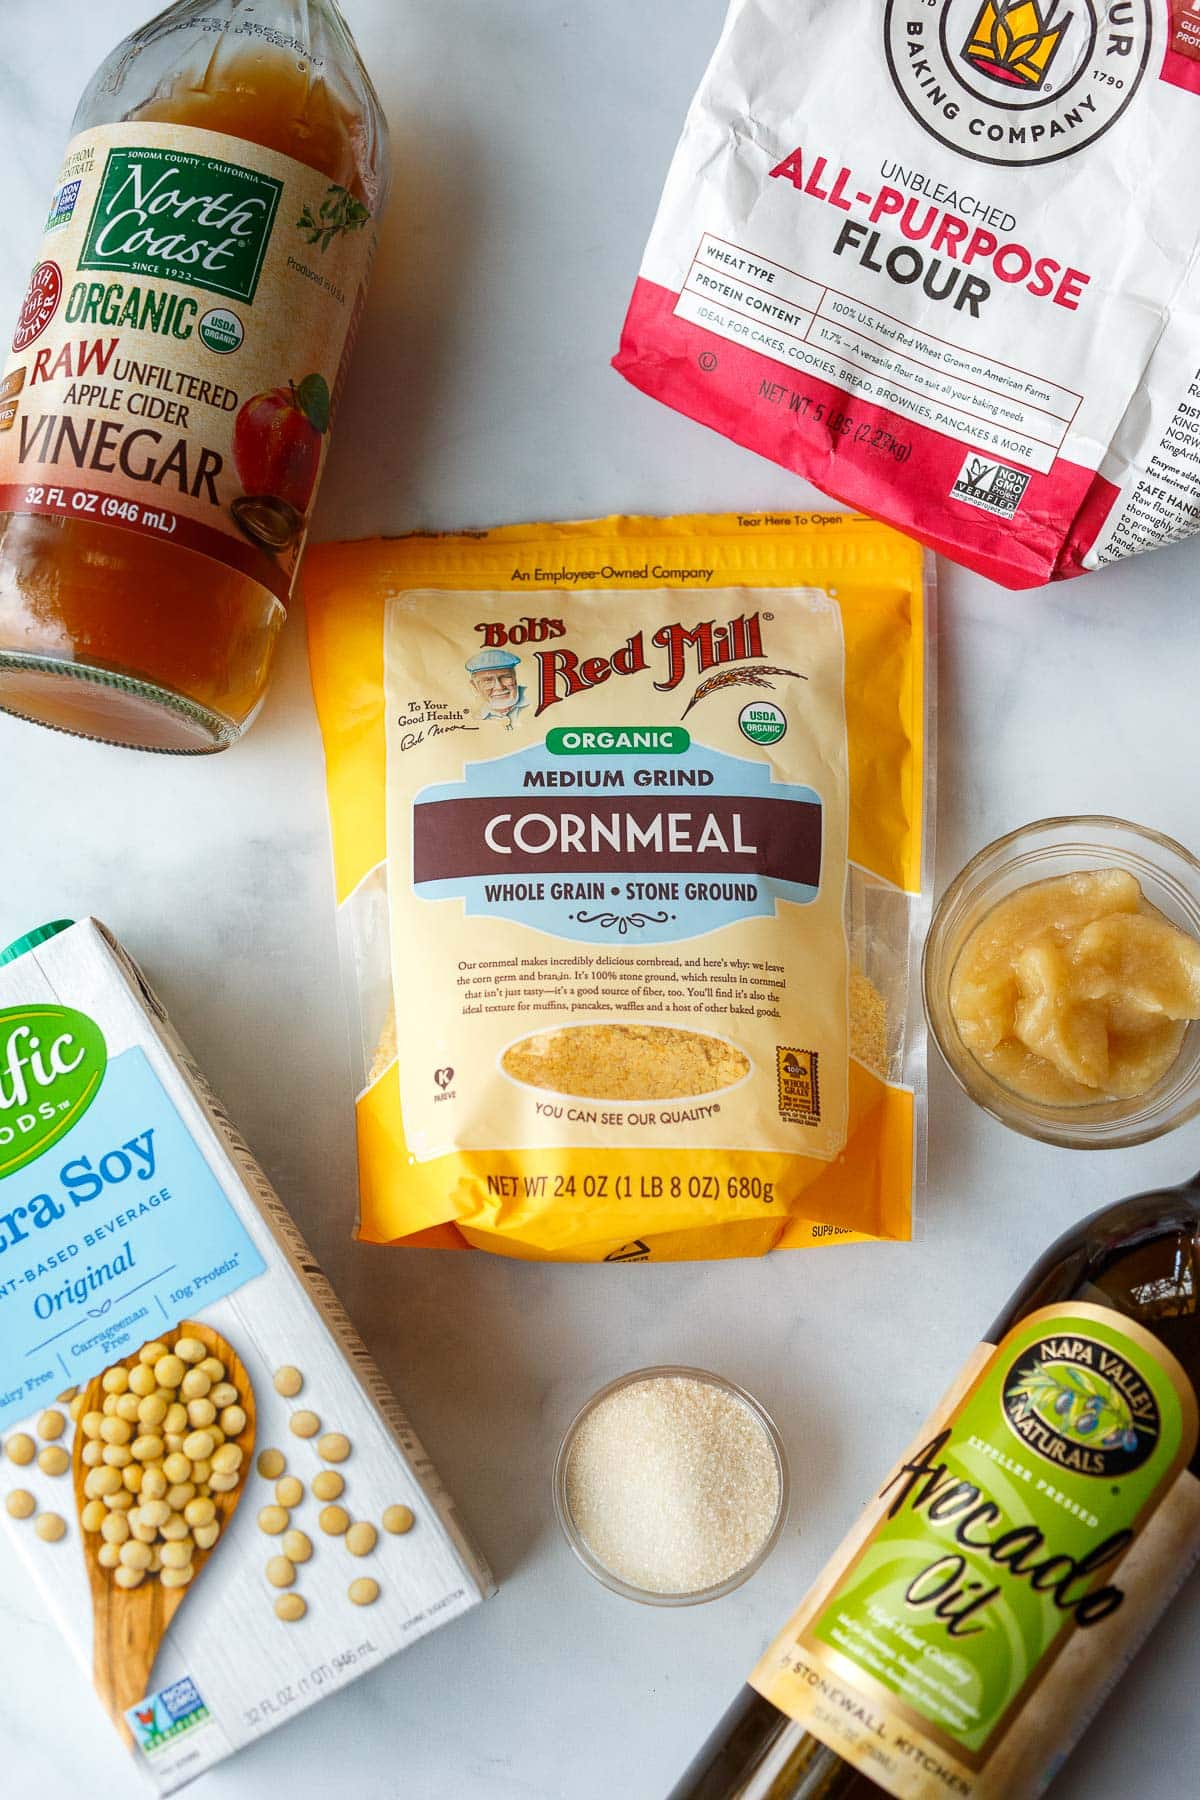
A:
(939, 257)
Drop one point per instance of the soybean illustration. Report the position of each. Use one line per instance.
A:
(156, 1490)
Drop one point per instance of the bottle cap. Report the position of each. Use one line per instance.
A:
(32, 939)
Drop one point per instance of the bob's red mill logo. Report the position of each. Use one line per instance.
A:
(1018, 81)
(671, 654)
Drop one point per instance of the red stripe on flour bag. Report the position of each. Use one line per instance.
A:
(747, 396)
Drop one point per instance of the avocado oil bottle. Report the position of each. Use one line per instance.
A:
(1011, 1564)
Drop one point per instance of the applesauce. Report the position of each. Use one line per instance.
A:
(1076, 989)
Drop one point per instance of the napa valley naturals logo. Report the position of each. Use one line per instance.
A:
(1082, 1406)
(52, 1061)
(1018, 81)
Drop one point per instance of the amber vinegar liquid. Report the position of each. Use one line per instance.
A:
(105, 632)
(1139, 1258)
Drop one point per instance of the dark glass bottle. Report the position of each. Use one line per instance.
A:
(1139, 1258)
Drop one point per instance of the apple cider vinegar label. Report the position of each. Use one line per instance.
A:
(177, 357)
(995, 1590)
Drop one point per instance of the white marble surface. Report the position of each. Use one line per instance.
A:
(531, 137)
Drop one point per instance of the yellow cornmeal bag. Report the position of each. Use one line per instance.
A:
(630, 824)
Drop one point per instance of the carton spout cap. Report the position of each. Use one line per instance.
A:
(39, 935)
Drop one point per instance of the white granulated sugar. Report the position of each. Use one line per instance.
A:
(673, 1484)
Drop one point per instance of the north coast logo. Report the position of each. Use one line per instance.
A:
(1082, 1406)
(182, 217)
(52, 1061)
(1018, 81)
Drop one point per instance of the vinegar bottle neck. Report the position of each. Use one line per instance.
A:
(298, 18)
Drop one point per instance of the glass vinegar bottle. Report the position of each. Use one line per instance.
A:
(165, 413)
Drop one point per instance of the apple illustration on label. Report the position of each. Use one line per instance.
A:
(277, 448)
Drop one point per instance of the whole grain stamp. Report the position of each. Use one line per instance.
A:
(629, 824)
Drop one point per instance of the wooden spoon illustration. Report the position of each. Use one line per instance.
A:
(129, 1624)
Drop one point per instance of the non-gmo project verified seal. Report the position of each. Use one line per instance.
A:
(62, 206)
(161, 1719)
(991, 486)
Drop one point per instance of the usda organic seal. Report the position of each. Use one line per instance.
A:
(762, 722)
(221, 330)
(1017, 81)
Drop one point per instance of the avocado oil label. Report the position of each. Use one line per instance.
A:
(177, 356)
(1008, 1567)
(112, 1224)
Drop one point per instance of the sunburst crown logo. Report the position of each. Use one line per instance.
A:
(1019, 83)
(1015, 41)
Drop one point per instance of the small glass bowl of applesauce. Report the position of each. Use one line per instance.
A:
(1169, 879)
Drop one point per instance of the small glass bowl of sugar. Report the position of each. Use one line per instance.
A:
(671, 1486)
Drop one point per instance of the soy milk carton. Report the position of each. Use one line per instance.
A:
(226, 1510)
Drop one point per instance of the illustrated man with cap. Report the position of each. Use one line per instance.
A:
(493, 675)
